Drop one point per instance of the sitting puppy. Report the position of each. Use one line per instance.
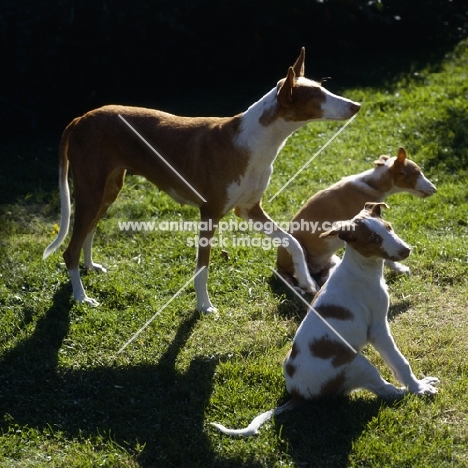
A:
(342, 201)
(346, 314)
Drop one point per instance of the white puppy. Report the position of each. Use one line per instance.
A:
(326, 358)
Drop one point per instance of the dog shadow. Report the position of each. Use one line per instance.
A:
(322, 433)
(290, 305)
(398, 308)
(126, 405)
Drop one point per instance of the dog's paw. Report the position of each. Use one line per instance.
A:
(89, 301)
(398, 268)
(82, 298)
(425, 386)
(96, 267)
(307, 287)
(303, 291)
(402, 269)
(209, 309)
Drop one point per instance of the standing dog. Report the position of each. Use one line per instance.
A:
(214, 163)
(326, 358)
(342, 201)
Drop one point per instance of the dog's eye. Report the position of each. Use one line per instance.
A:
(374, 238)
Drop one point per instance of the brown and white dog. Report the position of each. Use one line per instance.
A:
(343, 200)
(214, 163)
(349, 312)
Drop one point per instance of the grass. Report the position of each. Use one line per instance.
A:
(69, 399)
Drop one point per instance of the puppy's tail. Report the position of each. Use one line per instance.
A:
(258, 421)
(65, 206)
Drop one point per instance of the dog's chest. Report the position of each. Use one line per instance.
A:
(180, 199)
(248, 190)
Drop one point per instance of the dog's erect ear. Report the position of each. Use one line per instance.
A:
(298, 67)
(401, 155)
(383, 158)
(284, 93)
(374, 208)
(343, 229)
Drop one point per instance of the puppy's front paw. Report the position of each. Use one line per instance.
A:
(402, 269)
(425, 386)
(310, 288)
(397, 267)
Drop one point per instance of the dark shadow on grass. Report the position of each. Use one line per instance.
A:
(289, 305)
(398, 308)
(321, 434)
(154, 405)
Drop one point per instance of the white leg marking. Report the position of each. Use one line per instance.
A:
(88, 255)
(362, 374)
(200, 283)
(79, 293)
(397, 267)
(385, 345)
(263, 223)
(306, 283)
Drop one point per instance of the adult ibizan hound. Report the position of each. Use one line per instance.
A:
(214, 163)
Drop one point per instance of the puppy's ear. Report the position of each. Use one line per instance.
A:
(343, 229)
(298, 66)
(382, 160)
(401, 155)
(374, 208)
(284, 93)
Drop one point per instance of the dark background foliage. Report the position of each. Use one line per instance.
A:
(61, 58)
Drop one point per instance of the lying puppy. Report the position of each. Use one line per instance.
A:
(326, 358)
(342, 201)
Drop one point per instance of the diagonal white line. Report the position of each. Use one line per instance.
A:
(160, 157)
(160, 310)
(312, 158)
(310, 308)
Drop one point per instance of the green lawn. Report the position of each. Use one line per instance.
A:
(68, 398)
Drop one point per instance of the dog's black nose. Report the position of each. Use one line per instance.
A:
(404, 253)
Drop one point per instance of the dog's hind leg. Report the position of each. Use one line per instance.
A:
(360, 373)
(113, 186)
(88, 254)
(263, 223)
(91, 201)
(85, 216)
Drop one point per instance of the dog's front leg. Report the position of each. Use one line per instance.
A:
(397, 267)
(207, 229)
(383, 342)
(263, 223)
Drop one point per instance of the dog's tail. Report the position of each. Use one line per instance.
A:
(258, 421)
(65, 206)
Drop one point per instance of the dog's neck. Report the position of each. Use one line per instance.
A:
(356, 264)
(263, 131)
(362, 279)
(380, 179)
